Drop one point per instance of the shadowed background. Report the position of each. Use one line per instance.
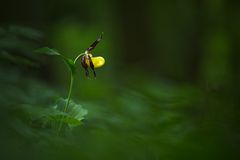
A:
(169, 88)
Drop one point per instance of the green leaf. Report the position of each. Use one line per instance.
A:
(25, 32)
(70, 64)
(17, 59)
(40, 112)
(48, 51)
(55, 115)
(53, 52)
(73, 116)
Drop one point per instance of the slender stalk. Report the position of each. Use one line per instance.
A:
(69, 94)
(67, 103)
(75, 60)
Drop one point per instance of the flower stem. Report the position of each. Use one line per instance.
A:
(67, 103)
(75, 60)
(69, 94)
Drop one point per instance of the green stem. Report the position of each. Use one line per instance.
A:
(75, 60)
(69, 94)
(67, 103)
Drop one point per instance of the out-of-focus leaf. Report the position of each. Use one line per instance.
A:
(16, 42)
(25, 32)
(55, 115)
(54, 52)
(75, 113)
(2, 31)
(48, 51)
(17, 59)
(40, 112)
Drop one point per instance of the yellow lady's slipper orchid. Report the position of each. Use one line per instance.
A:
(88, 61)
(97, 62)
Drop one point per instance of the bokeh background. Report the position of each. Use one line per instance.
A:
(169, 88)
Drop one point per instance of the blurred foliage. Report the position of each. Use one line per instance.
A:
(17, 43)
(169, 90)
(144, 121)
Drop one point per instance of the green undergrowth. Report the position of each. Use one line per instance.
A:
(140, 117)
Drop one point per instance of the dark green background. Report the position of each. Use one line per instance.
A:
(169, 88)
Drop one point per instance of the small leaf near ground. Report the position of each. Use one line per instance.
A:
(55, 115)
(74, 115)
